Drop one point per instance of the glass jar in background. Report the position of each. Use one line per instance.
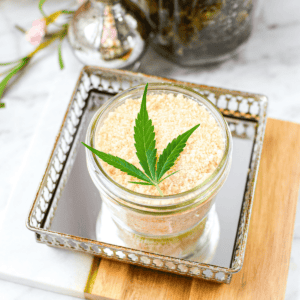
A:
(176, 225)
(197, 32)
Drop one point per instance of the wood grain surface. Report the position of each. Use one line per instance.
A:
(265, 270)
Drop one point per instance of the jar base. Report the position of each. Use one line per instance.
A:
(207, 244)
(199, 61)
(197, 244)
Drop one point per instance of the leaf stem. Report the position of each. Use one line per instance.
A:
(68, 12)
(17, 68)
(60, 59)
(49, 41)
(11, 62)
(159, 190)
(41, 7)
(20, 28)
(24, 61)
(7, 71)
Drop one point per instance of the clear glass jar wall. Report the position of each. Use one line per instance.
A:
(169, 225)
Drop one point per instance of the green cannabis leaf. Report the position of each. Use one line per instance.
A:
(144, 137)
(120, 164)
(171, 153)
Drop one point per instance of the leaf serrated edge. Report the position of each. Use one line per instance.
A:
(144, 134)
(134, 171)
(140, 182)
(168, 176)
(174, 147)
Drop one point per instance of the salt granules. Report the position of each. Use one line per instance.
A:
(171, 115)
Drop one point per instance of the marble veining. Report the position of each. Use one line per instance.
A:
(36, 101)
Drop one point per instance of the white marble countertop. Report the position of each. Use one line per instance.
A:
(270, 65)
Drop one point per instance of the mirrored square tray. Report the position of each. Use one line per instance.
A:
(65, 209)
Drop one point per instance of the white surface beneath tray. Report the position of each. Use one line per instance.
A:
(22, 260)
(269, 65)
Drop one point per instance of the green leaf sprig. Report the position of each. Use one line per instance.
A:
(145, 145)
(49, 39)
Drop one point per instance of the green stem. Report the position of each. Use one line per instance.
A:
(20, 28)
(159, 190)
(13, 72)
(60, 59)
(23, 62)
(7, 71)
(53, 37)
(68, 11)
(156, 185)
(11, 62)
(41, 8)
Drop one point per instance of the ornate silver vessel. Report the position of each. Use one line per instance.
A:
(104, 33)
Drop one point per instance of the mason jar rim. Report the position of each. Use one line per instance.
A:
(167, 88)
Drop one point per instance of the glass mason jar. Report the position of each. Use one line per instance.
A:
(170, 225)
(198, 32)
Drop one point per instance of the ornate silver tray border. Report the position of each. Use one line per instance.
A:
(233, 104)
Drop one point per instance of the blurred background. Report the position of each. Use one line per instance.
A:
(266, 63)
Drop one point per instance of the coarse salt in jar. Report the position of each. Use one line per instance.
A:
(180, 222)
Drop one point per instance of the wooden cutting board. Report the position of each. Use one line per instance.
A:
(265, 270)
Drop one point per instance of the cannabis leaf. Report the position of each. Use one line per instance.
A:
(144, 137)
(120, 164)
(171, 153)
